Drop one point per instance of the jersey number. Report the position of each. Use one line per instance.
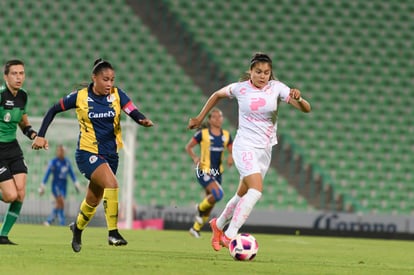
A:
(247, 156)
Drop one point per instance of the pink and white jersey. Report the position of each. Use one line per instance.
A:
(258, 111)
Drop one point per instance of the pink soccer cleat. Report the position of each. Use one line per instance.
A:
(217, 234)
(224, 240)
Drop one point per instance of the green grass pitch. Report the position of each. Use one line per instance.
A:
(47, 250)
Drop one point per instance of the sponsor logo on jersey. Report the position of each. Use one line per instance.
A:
(256, 103)
(101, 115)
(216, 149)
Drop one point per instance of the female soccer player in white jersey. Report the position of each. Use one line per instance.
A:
(258, 96)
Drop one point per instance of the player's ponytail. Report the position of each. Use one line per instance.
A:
(101, 64)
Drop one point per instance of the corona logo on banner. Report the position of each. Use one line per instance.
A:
(336, 222)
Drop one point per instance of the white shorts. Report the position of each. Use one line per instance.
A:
(251, 160)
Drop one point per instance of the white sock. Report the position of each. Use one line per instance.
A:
(227, 213)
(242, 211)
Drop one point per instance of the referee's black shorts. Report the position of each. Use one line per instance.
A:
(11, 160)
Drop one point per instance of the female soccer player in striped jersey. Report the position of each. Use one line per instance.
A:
(98, 109)
(258, 96)
(213, 140)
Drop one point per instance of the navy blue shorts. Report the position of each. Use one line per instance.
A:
(88, 162)
(206, 178)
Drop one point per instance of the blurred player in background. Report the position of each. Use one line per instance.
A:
(60, 167)
(213, 141)
(98, 109)
(13, 170)
(258, 95)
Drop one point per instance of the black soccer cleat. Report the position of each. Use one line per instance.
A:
(116, 239)
(5, 240)
(76, 237)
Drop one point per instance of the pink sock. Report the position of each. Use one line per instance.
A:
(227, 213)
(242, 211)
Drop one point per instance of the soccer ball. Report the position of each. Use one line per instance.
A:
(243, 247)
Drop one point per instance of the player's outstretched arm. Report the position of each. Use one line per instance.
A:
(195, 122)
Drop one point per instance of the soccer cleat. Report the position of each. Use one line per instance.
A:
(77, 237)
(116, 239)
(217, 233)
(5, 240)
(198, 217)
(46, 223)
(224, 241)
(194, 233)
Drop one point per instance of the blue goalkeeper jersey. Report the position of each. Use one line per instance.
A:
(60, 169)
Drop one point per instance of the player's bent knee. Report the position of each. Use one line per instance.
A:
(217, 194)
(9, 196)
